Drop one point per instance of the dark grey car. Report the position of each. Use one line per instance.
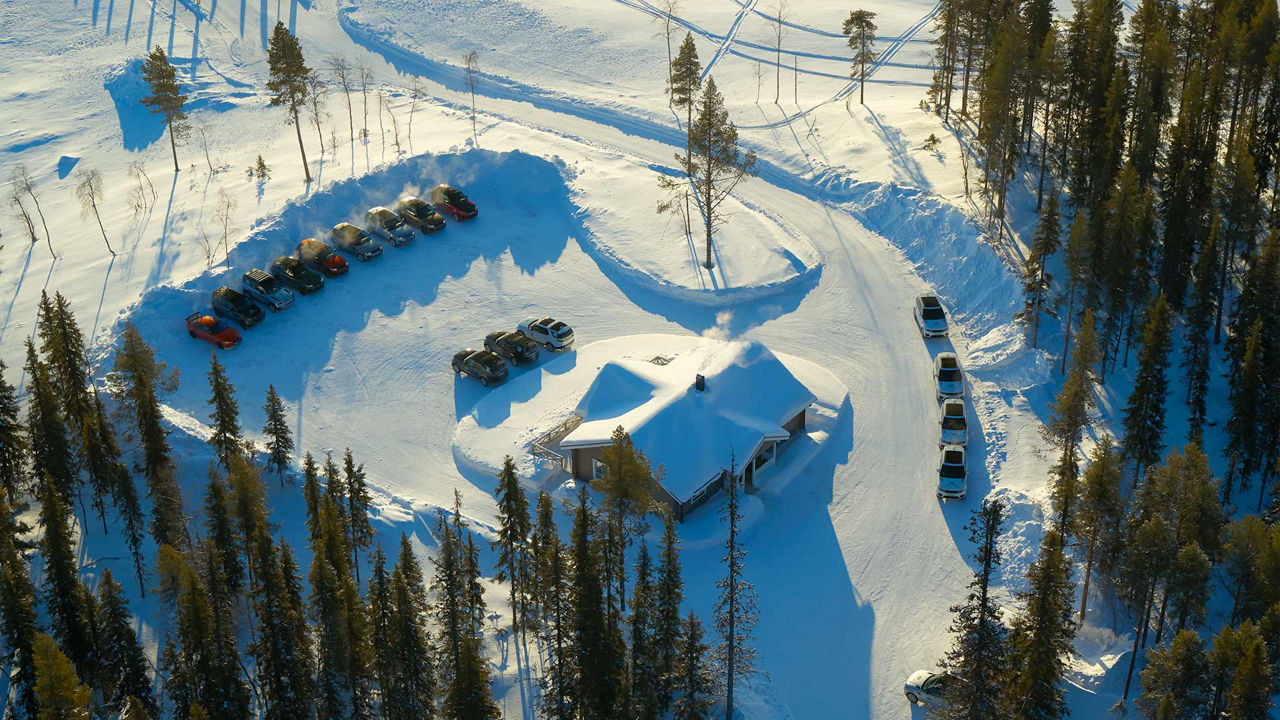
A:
(482, 365)
(516, 348)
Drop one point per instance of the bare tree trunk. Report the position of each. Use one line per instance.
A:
(306, 170)
(104, 230)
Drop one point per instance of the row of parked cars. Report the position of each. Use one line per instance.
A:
(521, 346)
(313, 261)
(948, 384)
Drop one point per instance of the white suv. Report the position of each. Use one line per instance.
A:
(931, 318)
(548, 332)
(952, 473)
(948, 379)
(953, 424)
(388, 225)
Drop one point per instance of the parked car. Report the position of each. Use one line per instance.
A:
(356, 241)
(292, 272)
(931, 318)
(513, 346)
(260, 286)
(321, 258)
(212, 330)
(452, 201)
(229, 303)
(387, 225)
(420, 214)
(948, 380)
(482, 365)
(952, 474)
(548, 332)
(927, 688)
(953, 425)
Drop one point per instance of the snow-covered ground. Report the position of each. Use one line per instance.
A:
(855, 561)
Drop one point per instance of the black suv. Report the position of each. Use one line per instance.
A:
(513, 346)
(482, 365)
(231, 304)
(290, 271)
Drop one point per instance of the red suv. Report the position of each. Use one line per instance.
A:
(451, 200)
(212, 330)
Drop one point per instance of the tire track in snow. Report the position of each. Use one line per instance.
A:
(728, 37)
(881, 61)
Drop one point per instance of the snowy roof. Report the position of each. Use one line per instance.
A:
(749, 395)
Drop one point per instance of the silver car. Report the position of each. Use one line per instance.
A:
(948, 379)
(352, 239)
(388, 225)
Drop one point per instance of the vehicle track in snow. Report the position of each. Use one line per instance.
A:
(728, 38)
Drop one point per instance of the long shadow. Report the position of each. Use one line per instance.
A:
(97, 315)
(128, 23)
(17, 289)
(902, 159)
(173, 26)
(164, 259)
(151, 23)
(262, 23)
(243, 4)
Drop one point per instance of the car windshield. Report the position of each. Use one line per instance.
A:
(325, 255)
(949, 375)
(952, 472)
(455, 195)
(935, 684)
(267, 284)
(490, 362)
(361, 238)
(391, 222)
(952, 423)
(933, 313)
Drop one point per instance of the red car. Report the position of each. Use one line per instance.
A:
(212, 330)
(321, 258)
(451, 200)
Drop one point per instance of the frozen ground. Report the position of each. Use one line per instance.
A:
(855, 561)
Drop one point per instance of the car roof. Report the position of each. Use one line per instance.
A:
(256, 274)
(411, 198)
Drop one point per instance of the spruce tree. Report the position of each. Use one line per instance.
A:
(1187, 587)
(51, 456)
(1199, 318)
(1176, 680)
(123, 666)
(220, 533)
(1144, 413)
(65, 596)
(980, 650)
(1101, 511)
(645, 678)
(1069, 418)
(138, 380)
(469, 697)
(552, 571)
(1079, 251)
(18, 628)
(692, 686)
(311, 494)
(1245, 426)
(1041, 637)
(108, 476)
(410, 694)
(63, 350)
(247, 503)
(628, 487)
(448, 583)
(166, 97)
(13, 443)
(289, 81)
(357, 510)
(514, 564)
(1036, 280)
(225, 417)
(283, 650)
(378, 602)
(669, 594)
(58, 691)
(1146, 554)
(279, 437)
(601, 678)
(735, 609)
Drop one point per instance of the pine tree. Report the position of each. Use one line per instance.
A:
(685, 82)
(283, 650)
(1144, 413)
(552, 574)
(514, 564)
(290, 81)
(247, 503)
(225, 438)
(1041, 637)
(628, 486)
(13, 443)
(980, 651)
(17, 619)
(311, 494)
(378, 601)
(1146, 554)
(448, 583)
(1175, 678)
(1187, 587)
(58, 691)
(357, 510)
(123, 667)
(735, 609)
(860, 28)
(166, 97)
(221, 535)
(1245, 426)
(138, 380)
(279, 437)
(1101, 510)
(669, 593)
(645, 677)
(344, 657)
(65, 596)
(1079, 251)
(693, 685)
(1068, 421)
(410, 694)
(715, 165)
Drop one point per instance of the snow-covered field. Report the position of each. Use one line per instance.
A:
(855, 561)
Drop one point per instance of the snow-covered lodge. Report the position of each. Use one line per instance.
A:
(688, 412)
